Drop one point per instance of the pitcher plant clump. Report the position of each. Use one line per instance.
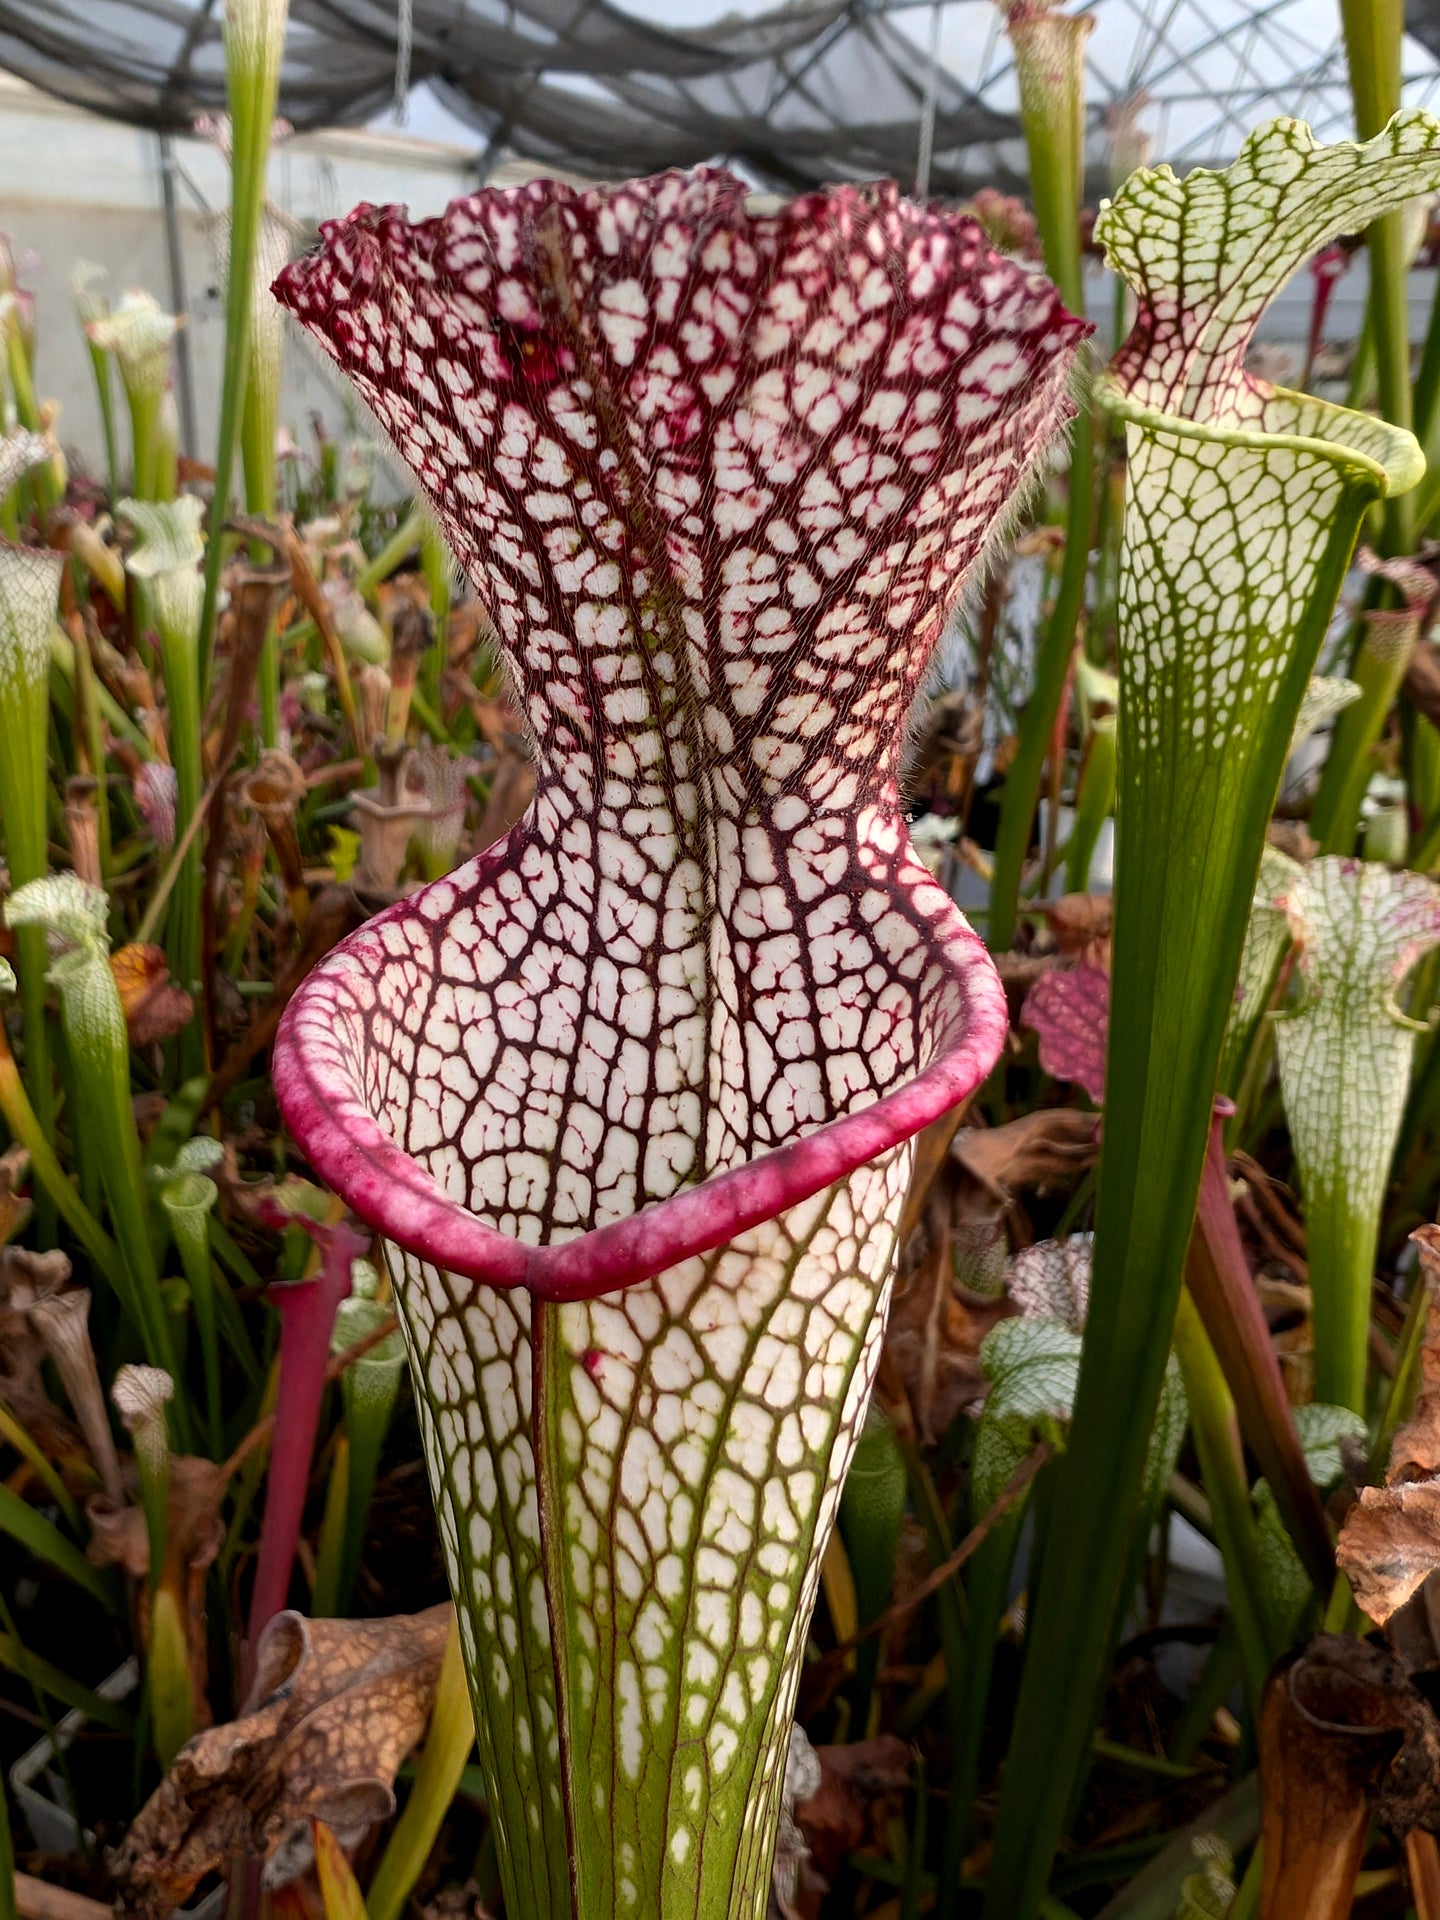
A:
(1243, 503)
(627, 1096)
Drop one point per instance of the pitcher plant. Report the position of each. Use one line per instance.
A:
(1243, 502)
(628, 1096)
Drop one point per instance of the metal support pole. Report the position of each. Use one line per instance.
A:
(929, 104)
(185, 377)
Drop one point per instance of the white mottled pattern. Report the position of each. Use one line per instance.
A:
(1345, 1050)
(699, 1426)
(1207, 253)
(719, 475)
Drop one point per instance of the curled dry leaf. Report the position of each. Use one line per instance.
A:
(802, 1780)
(1390, 1542)
(26, 1278)
(335, 1707)
(933, 1340)
(859, 1789)
(155, 1008)
(1070, 1012)
(1080, 924)
(1290, 838)
(1344, 1735)
(1041, 1149)
(14, 1206)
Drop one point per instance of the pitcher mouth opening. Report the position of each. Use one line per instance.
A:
(319, 1071)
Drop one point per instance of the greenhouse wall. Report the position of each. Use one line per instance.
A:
(75, 187)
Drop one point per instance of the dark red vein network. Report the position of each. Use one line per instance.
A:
(718, 474)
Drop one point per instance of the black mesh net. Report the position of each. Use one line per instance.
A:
(799, 92)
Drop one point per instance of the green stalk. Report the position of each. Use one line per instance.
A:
(369, 1387)
(1426, 391)
(254, 45)
(167, 1677)
(872, 1508)
(139, 334)
(1049, 63)
(1426, 402)
(55, 1183)
(439, 571)
(1241, 518)
(1191, 828)
(1374, 32)
(184, 934)
(43, 1678)
(89, 287)
(141, 1395)
(17, 366)
(330, 1548)
(105, 394)
(1400, 1397)
(92, 721)
(1379, 669)
(1341, 1249)
(14, 1435)
(62, 658)
(1217, 1442)
(29, 589)
(8, 1908)
(437, 1775)
(1248, 1039)
(1093, 802)
(145, 443)
(164, 563)
(187, 1201)
(43, 1539)
(97, 1045)
(1423, 781)
(260, 420)
(988, 1587)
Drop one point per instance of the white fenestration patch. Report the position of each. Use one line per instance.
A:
(695, 1508)
(1346, 1050)
(707, 938)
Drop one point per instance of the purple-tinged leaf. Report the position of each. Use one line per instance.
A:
(307, 1310)
(1069, 1012)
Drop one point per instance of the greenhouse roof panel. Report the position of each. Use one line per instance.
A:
(800, 92)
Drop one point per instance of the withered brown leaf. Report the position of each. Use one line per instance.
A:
(860, 1785)
(1050, 1145)
(335, 1707)
(155, 1008)
(14, 1206)
(1344, 1735)
(1080, 924)
(1390, 1542)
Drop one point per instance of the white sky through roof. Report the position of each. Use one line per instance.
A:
(1212, 68)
